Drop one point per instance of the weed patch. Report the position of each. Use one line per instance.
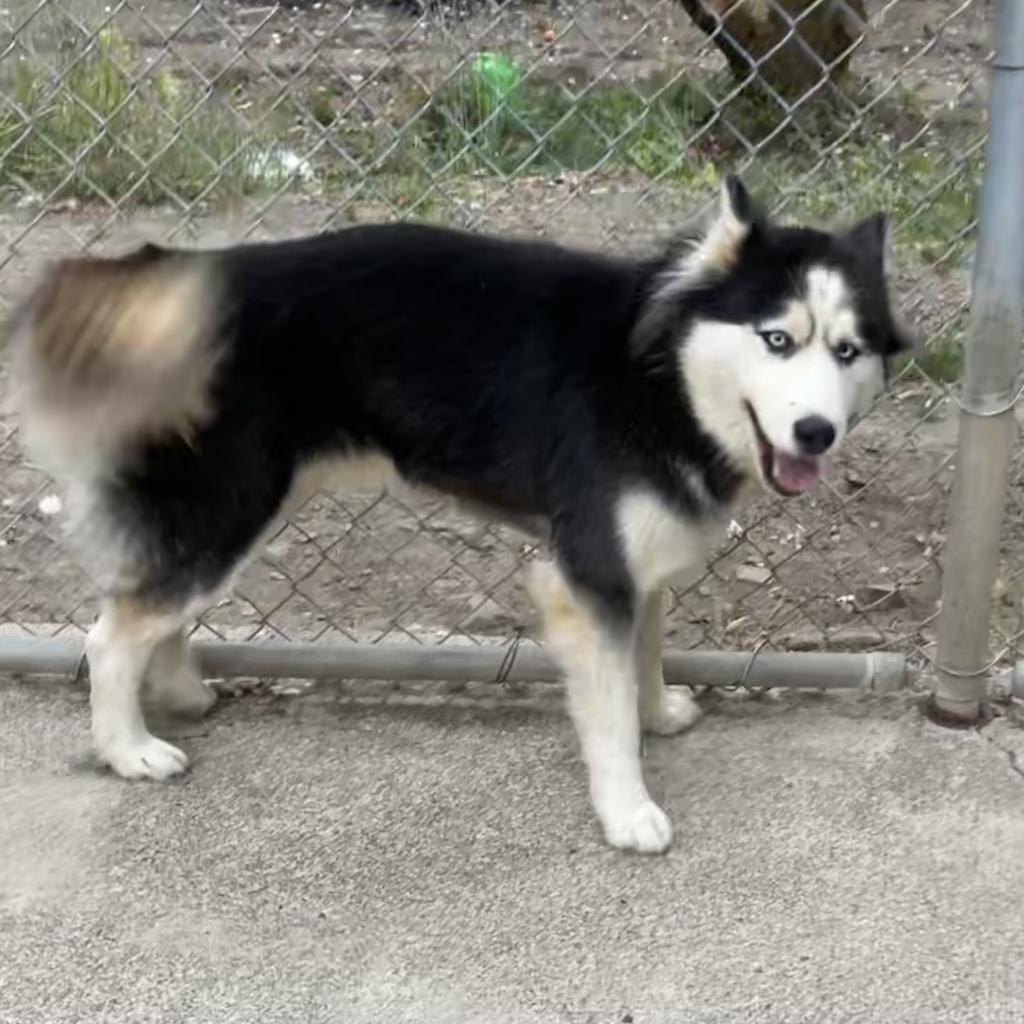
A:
(98, 127)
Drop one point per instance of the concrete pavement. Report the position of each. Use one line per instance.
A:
(838, 859)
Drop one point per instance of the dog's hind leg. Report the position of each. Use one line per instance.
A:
(120, 647)
(663, 710)
(173, 680)
(600, 667)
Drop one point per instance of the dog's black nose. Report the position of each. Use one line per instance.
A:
(814, 435)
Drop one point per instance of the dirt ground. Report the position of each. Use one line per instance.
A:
(852, 566)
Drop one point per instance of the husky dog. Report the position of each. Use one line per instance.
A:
(619, 406)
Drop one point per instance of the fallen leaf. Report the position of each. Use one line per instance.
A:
(753, 574)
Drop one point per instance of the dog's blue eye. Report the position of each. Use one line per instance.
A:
(846, 352)
(777, 341)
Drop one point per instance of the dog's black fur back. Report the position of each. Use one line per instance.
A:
(496, 371)
(534, 380)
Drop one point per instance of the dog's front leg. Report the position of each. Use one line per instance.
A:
(603, 699)
(120, 647)
(663, 710)
(600, 665)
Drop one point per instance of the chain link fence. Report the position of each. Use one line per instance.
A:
(602, 122)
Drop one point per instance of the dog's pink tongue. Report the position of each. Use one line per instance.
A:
(795, 473)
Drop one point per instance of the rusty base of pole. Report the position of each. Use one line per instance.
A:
(951, 720)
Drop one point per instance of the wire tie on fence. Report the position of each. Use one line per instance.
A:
(977, 410)
(505, 668)
(971, 674)
(742, 681)
(79, 672)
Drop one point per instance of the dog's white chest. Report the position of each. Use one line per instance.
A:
(661, 545)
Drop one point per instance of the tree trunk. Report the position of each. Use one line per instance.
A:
(777, 42)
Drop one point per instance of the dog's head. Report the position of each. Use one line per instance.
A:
(782, 335)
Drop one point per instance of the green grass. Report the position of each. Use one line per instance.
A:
(101, 125)
(930, 198)
(542, 127)
(668, 128)
(942, 360)
(85, 130)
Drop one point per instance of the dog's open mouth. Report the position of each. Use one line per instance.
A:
(788, 474)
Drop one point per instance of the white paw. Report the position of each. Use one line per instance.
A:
(144, 758)
(675, 711)
(645, 827)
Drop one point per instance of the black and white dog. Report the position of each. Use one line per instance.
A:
(619, 406)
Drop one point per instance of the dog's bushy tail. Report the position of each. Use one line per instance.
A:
(114, 351)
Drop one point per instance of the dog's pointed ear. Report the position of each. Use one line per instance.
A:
(736, 201)
(717, 248)
(709, 255)
(872, 240)
(904, 341)
(737, 217)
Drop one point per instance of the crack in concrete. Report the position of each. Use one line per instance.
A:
(1012, 757)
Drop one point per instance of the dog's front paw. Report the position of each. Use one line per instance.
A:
(675, 711)
(643, 827)
(144, 758)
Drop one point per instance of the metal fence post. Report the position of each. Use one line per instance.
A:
(989, 392)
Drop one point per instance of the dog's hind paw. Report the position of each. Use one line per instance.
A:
(675, 711)
(173, 682)
(186, 696)
(645, 828)
(145, 758)
(194, 704)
